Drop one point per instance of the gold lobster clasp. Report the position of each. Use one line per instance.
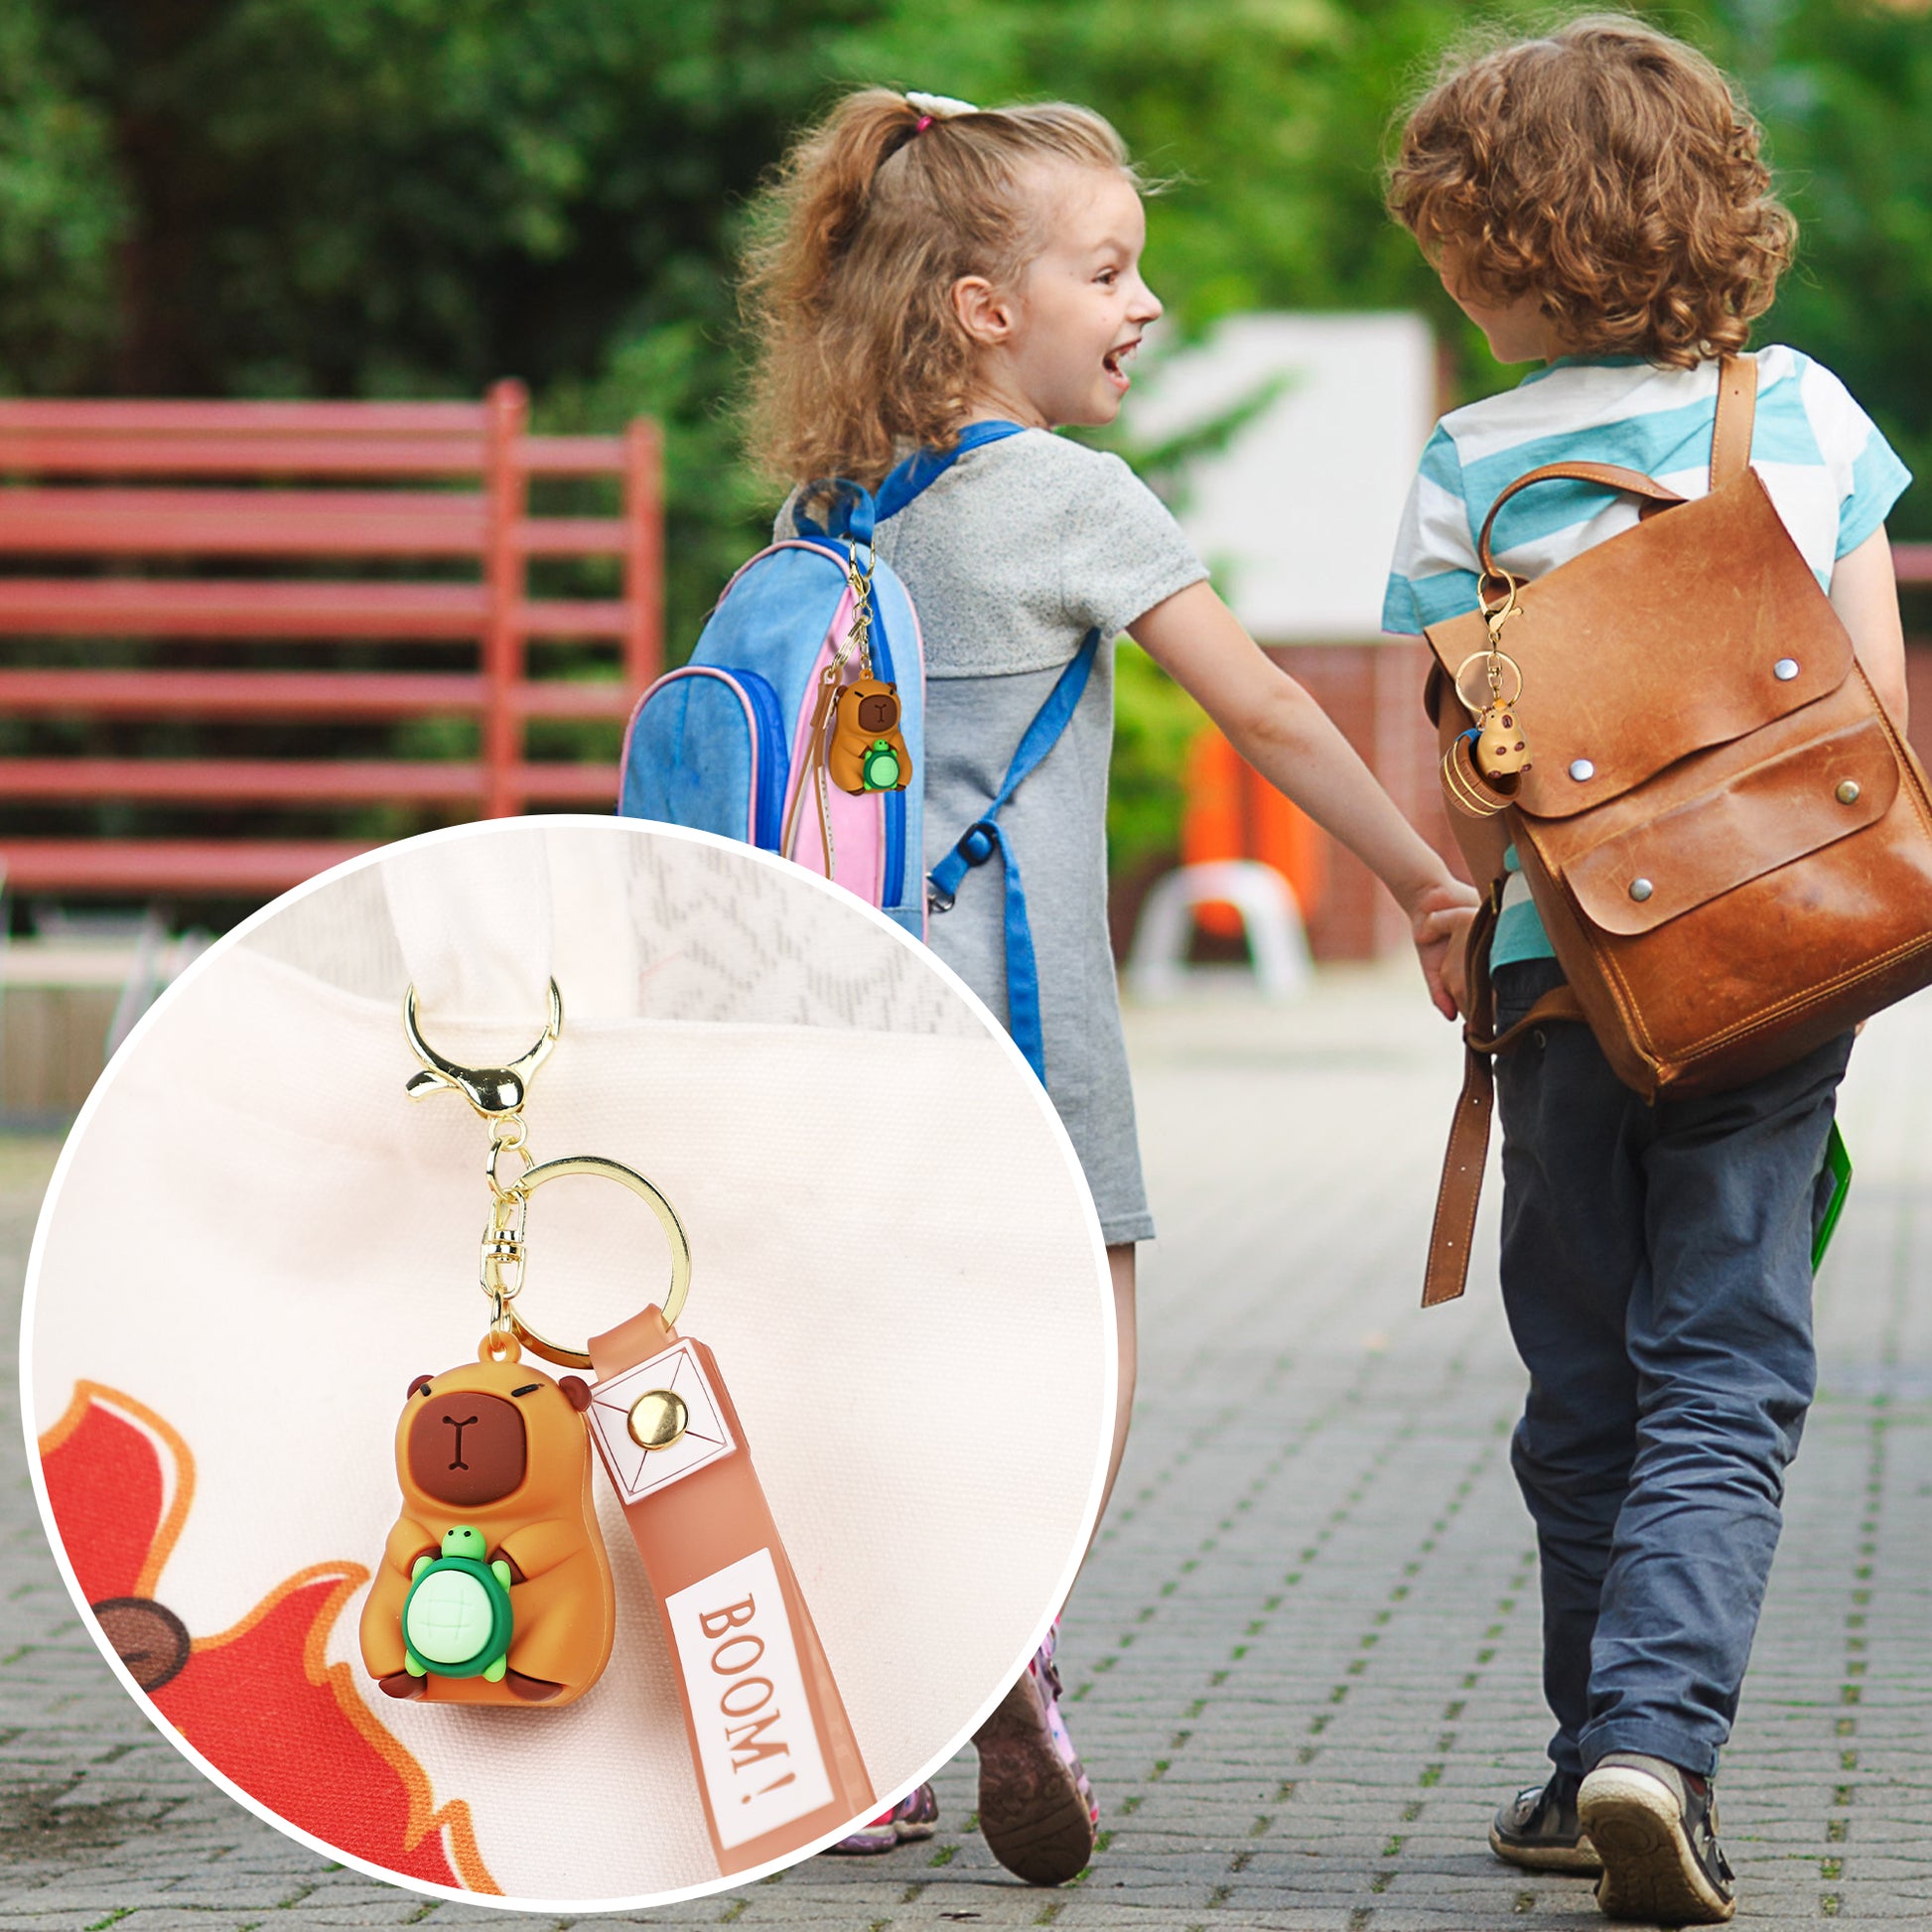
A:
(491, 1090)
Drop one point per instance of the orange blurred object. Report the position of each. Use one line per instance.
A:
(1233, 812)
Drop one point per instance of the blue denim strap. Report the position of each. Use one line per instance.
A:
(978, 843)
(855, 511)
(920, 471)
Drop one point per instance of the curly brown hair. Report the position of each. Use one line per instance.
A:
(1608, 168)
(871, 218)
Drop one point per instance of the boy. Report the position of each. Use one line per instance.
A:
(1595, 202)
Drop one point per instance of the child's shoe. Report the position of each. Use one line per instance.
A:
(916, 1815)
(1655, 1829)
(1539, 1830)
(1037, 1808)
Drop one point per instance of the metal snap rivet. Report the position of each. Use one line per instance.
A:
(1848, 793)
(1641, 889)
(658, 1419)
(1582, 770)
(1785, 670)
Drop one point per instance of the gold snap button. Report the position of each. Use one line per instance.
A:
(658, 1419)
(1848, 793)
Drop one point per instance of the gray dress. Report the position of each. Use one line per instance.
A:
(1015, 553)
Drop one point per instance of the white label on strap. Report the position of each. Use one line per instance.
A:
(634, 1471)
(757, 1748)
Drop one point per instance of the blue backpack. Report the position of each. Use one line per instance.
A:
(735, 740)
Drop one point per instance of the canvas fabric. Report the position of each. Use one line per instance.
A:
(260, 1239)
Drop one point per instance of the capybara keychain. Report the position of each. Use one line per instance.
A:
(494, 1587)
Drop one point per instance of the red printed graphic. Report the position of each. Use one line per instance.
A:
(260, 1701)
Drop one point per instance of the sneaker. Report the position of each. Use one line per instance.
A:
(1538, 1830)
(1655, 1829)
(1037, 1808)
(916, 1815)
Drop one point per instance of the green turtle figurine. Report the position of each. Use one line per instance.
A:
(456, 1619)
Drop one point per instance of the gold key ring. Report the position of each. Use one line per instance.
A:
(598, 1166)
(1475, 706)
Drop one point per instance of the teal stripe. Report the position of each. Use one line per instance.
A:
(1658, 444)
(1519, 935)
(1878, 480)
(1519, 931)
(1441, 461)
(1411, 604)
(1399, 611)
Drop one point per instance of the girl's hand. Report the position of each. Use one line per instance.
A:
(1440, 916)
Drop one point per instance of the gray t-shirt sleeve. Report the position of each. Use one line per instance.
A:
(1120, 550)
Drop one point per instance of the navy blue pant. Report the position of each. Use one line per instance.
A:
(1656, 1270)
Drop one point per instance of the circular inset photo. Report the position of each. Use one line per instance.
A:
(534, 1349)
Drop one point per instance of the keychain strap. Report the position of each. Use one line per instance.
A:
(775, 1756)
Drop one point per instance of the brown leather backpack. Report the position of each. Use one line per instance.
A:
(1728, 840)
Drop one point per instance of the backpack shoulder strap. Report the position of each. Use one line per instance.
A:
(920, 471)
(983, 838)
(1730, 433)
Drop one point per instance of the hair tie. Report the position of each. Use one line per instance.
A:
(937, 107)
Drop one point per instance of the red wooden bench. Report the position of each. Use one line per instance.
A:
(399, 531)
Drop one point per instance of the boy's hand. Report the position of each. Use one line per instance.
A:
(1439, 921)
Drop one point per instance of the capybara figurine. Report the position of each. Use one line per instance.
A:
(493, 1587)
(866, 751)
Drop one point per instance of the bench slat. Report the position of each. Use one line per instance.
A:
(130, 608)
(137, 454)
(244, 522)
(284, 522)
(145, 453)
(561, 618)
(292, 694)
(290, 781)
(97, 417)
(219, 869)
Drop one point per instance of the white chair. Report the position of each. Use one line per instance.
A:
(1277, 942)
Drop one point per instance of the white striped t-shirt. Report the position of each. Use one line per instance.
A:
(1831, 475)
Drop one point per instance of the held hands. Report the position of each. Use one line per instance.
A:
(1439, 921)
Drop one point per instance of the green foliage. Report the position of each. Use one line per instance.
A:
(1154, 721)
(64, 206)
(406, 198)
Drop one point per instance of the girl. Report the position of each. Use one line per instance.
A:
(923, 265)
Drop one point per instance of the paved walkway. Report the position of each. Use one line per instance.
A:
(1304, 1656)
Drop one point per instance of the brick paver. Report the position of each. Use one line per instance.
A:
(1303, 1657)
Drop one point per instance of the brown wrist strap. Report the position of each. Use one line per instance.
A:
(1461, 1190)
(777, 1765)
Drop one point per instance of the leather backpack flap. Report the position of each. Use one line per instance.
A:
(1657, 643)
(1716, 921)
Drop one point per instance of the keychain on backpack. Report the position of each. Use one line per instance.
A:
(865, 753)
(1483, 768)
(495, 1586)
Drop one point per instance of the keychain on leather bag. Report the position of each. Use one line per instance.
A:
(495, 1586)
(1482, 770)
